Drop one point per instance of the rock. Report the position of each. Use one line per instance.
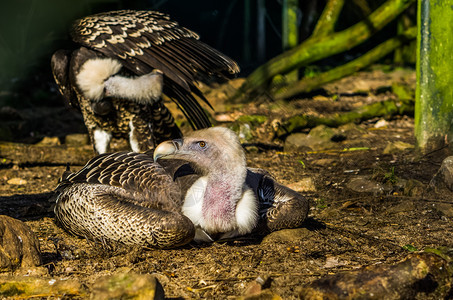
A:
(77, 139)
(445, 209)
(49, 141)
(307, 142)
(444, 176)
(324, 162)
(127, 286)
(27, 287)
(304, 185)
(351, 129)
(414, 188)
(363, 185)
(19, 246)
(382, 123)
(17, 181)
(398, 146)
(419, 276)
(287, 235)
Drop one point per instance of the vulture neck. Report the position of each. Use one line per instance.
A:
(224, 189)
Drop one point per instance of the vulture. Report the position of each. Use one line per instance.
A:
(197, 188)
(124, 62)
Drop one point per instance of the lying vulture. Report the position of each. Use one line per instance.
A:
(125, 61)
(195, 188)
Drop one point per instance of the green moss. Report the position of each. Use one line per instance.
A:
(10, 289)
(254, 120)
(434, 105)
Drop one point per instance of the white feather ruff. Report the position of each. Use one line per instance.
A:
(142, 89)
(93, 74)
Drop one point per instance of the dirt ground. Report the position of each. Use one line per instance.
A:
(346, 228)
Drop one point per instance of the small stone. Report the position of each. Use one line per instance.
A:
(128, 286)
(307, 142)
(287, 235)
(444, 176)
(363, 185)
(445, 208)
(398, 146)
(324, 162)
(351, 129)
(17, 181)
(77, 139)
(413, 188)
(304, 185)
(49, 141)
(332, 262)
(19, 246)
(381, 124)
(223, 118)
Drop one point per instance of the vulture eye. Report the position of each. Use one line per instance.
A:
(202, 144)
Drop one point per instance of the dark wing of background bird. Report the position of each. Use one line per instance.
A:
(147, 40)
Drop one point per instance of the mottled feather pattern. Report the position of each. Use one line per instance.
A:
(133, 172)
(103, 208)
(147, 40)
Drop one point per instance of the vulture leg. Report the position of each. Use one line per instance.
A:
(100, 139)
(111, 213)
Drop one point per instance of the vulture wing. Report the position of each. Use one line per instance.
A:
(59, 64)
(147, 40)
(123, 197)
(149, 184)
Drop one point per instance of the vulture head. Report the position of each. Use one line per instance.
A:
(219, 201)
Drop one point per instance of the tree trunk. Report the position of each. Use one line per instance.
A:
(434, 95)
(290, 32)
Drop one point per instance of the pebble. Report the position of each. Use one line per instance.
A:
(444, 176)
(398, 146)
(364, 185)
(49, 141)
(19, 246)
(304, 185)
(17, 181)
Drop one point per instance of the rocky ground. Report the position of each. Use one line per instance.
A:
(371, 205)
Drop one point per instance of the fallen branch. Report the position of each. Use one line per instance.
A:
(328, 18)
(378, 109)
(308, 84)
(316, 48)
(419, 275)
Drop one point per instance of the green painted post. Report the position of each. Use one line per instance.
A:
(434, 94)
(290, 31)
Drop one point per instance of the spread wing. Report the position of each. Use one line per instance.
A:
(147, 40)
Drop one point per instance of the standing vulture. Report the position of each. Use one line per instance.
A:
(195, 188)
(125, 61)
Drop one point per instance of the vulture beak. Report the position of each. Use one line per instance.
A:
(168, 149)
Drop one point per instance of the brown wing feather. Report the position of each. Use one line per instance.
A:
(60, 69)
(134, 172)
(147, 40)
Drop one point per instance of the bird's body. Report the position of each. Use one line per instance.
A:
(196, 188)
(125, 61)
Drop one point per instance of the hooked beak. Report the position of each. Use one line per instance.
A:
(167, 149)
